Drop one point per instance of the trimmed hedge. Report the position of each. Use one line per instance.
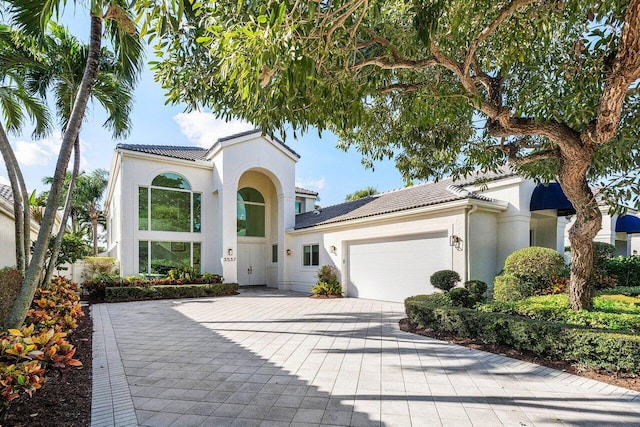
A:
(630, 291)
(138, 293)
(595, 349)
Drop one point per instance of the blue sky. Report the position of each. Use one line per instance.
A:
(322, 167)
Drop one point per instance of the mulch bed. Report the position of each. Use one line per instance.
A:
(629, 382)
(64, 399)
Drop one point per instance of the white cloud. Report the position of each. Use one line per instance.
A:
(43, 151)
(32, 153)
(312, 183)
(204, 129)
(4, 180)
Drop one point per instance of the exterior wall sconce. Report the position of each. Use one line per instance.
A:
(332, 249)
(455, 241)
(288, 251)
(230, 252)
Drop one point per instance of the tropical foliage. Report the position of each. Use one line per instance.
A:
(32, 17)
(441, 87)
(361, 194)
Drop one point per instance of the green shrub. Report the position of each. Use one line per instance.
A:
(535, 267)
(626, 270)
(444, 279)
(607, 313)
(138, 293)
(10, 284)
(327, 289)
(95, 265)
(477, 289)
(630, 291)
(611, 351)
(186, 273)
(461, 297)
(328, 284)
(510, 288)
(602, 253)
(328, 274)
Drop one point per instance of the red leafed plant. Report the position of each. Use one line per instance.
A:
(41, 345)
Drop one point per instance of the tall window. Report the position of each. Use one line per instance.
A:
(251, 208)
(169, 205)
(310, 255)
(160, 257)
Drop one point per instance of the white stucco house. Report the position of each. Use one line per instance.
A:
(234, 209)
(7, 228)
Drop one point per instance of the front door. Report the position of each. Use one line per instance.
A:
(251, 264)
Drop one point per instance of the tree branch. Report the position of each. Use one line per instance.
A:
(505, 13)
(403, 63)
(536, 156)
(624, 72)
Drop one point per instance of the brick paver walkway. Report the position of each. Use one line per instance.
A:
(274, 358)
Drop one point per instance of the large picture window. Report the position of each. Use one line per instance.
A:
(160, 257)
(250, 214)
(169, 205)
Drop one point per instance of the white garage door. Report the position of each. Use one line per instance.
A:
(391, 270)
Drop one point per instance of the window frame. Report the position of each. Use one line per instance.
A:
(188, 245)
(262, 204)
(311, 264)
(192, 198)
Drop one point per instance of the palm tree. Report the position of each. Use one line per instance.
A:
(33, 16)
(17, 104)
(92, 190)
(112, 89)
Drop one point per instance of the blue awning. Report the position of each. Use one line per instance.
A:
(551, 197)
(628, 224)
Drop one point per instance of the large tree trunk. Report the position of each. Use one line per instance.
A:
(55, 251)
(573, 180)
(32, 275)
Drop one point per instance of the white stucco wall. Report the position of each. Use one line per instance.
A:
(240, 159)
(514, 224)
(300, 278)
(483, 246)
(8, 235)
(139, 170)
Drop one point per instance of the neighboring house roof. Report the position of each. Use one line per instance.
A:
(300, 190)
(6, 193)
(173, 151)
(431, 193)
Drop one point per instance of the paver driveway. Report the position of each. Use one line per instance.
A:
(271, 358)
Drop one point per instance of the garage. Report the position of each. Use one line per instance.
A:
(393, 269)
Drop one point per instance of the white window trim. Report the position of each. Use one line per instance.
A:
(311, 266)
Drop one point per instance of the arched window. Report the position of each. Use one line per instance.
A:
(250, 215)
(169, 205)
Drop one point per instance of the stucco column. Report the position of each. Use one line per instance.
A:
(228, 212)
(286, 220)
(561, 226)
(513, 234)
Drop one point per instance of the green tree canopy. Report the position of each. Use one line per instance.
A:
(440, 86)
(360, 194)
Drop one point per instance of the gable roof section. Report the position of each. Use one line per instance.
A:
(6, 193)
(173, 151)
(300, 190)
(251, 132)
(428, 194)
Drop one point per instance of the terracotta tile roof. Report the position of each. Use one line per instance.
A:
(173, 151)
(427, 194)
(6, 193)
(300, 190)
